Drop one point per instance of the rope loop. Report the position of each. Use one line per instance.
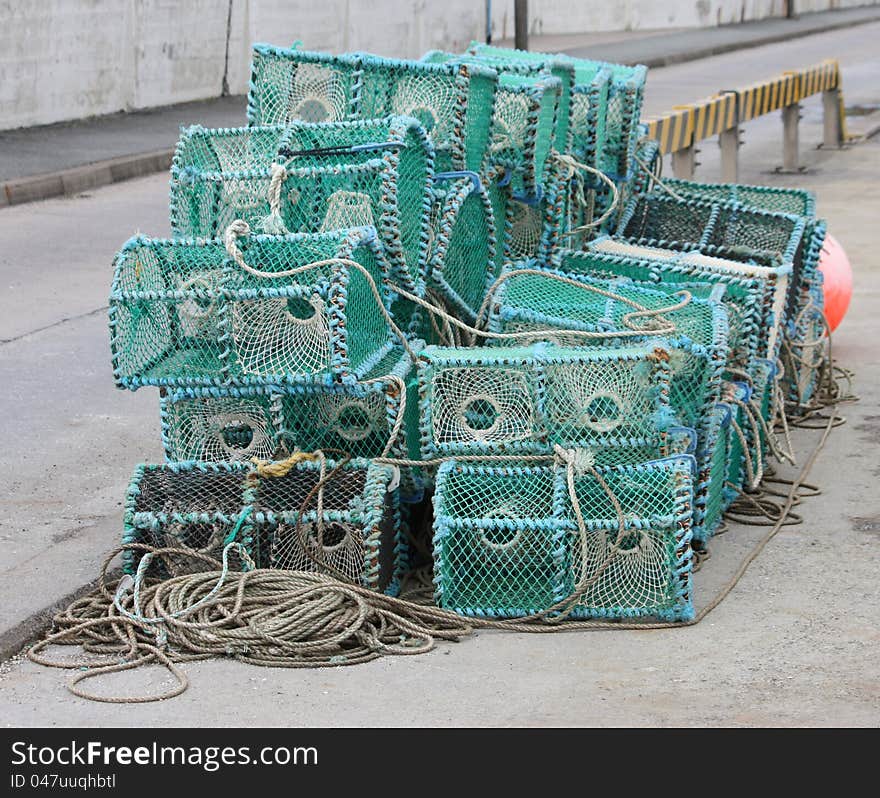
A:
(575, 169)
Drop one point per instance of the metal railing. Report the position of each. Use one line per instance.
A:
(680, 130)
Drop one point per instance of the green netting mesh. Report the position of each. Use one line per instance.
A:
(183, 313)
(667, 271)
(491, 400)
(464, 254)
(754, 294)
(776, 200)
(203, 506)
(612, 92)
(506, 542)
(229, 424)
(747, 292)
(501, 60)
(524, 121)
(332, 176)
(697, 349)
(453, 102)
(648, 167)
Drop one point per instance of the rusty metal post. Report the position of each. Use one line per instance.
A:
(521, 24)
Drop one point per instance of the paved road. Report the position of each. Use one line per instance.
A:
(796, 643)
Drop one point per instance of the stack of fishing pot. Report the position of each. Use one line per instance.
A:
(452, 295)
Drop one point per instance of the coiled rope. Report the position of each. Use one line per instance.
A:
(302, 619)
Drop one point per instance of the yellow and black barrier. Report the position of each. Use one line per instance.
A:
(818, 78)
(714, 115)
(767, 96)
(685, 125)
(675, 130)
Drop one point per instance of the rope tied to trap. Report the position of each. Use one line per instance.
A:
(299, 619)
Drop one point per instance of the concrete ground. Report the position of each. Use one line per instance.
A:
(797, 643)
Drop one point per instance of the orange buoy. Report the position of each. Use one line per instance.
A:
(837, 280)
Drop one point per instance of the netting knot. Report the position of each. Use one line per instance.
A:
(581, 460)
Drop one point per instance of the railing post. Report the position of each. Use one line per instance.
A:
(728, 140)
(684, 161)
(791, 115)
(832, 128)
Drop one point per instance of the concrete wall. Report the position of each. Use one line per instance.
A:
(568, 16)
(69, 59)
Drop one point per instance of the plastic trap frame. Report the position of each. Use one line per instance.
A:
(204, 506)
(321, 177)
(184, 314)
(506, 541)
(453, 102)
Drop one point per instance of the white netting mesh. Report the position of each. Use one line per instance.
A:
(336, 544)
(352, 418)
(597, 399)
(483, 405)
(317, 94)
(274, 336)
(525, 230)
(510, 124)
(221, 429)
(197, 315)
(637, 576)
(348, 209)
(429, 100)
